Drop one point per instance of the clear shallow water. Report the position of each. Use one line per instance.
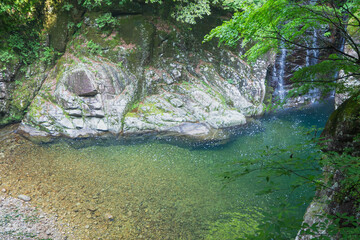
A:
(154, 190)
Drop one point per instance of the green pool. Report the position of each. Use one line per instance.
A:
(155, 189)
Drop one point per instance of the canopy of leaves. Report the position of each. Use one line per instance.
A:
(16, 13)
(262, 26)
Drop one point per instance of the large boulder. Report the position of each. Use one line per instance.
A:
(342, 131)
(341, 134)
(145, 75)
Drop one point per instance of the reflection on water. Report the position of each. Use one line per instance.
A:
(148, 190)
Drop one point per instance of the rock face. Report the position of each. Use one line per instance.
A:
(343, 127)
(341, 132)
(7, 75)
(145, 75)
(18, 86)
(351, 82)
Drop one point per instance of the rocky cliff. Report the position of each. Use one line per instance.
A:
(336, 196)
(141, 74)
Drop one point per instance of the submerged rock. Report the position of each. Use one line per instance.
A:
(24, 198)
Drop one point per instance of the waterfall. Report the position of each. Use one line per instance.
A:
(312, 54)
(312, 58)
(342, 49)
(278, 74)
(336, 75)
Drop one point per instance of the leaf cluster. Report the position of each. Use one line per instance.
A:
(266, 25)
(309, 170)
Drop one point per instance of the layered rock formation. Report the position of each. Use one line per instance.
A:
(145, 75)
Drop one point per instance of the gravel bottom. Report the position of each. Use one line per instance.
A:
(19, 220)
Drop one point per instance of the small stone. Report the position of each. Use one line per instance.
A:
(3, 190)
(92, 208)
(109, 217)
(87, 226)
(24, 198)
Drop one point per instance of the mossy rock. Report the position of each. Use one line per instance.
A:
(60, 31)
(342, 130)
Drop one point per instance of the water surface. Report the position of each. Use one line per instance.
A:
(153, 189)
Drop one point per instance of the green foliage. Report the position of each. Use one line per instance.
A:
(48, 55)
(106, 20)
(295, 160)
(188, 11)
(235, 225)
(6, 56)
(24, 45)
(90, 4)
(67, 6)
(94, 48)
(17, 13)
(278, 223)
(230, 81)
(262, 26)
(272, 164)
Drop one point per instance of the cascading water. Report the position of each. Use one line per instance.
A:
(278, 74)
(336, 75)
(312, 54)
(312, 58)
(342, 49)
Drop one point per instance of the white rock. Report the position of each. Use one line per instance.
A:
(101, 126)
(176, 102)
(66, 122)
(24, 198)
(78, 122)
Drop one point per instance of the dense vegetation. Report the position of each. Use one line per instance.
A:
(260, 26)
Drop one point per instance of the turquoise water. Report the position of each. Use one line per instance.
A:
(163, 190)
